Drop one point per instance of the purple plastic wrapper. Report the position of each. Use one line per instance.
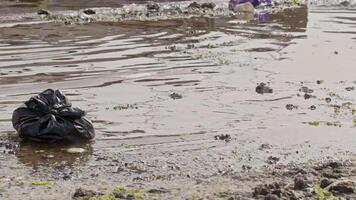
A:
(233, 3)
(262, 16)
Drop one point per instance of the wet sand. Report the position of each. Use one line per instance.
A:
(124, 74)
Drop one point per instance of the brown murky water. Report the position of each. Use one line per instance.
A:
(123, 73)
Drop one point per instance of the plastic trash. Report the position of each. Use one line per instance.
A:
(262, 16)
(233, 3)
(49, 117)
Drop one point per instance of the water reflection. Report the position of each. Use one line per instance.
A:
(37, 154)
(99, 62)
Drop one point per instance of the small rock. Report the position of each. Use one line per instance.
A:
(76, 150)
(84, 193)
(158, 191)
(272, 197)
(119, 195)
(350, 88)
(312, 107)
(332, 164)
(152, 7)
(194, 5)
(325, 182)
(264, 190)
(342, 187)
(66, 177)
(262, 88)
(43, 12)
(328, 100)
(329, 173)
(130, 197)
(244, 8)
(307, 96)
(272, 160)
(291, 107)
(246, 167)
(225, 137)
(344, 3)
(175, 96)
(304, 89)
(265, 146)
(89, 12)
(208, 5)
(319, 82)
(300, 183)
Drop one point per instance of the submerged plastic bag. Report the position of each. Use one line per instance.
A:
(49, 117)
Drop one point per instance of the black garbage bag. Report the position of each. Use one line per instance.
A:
(49, 117)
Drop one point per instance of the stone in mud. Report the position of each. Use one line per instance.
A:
(208, 5)
(304, 89)
(291, 107)
(43, 12)
(89, 12)
(82, 193)
(265, 189)
(271, 197)
(300, 183)
(342, 187)
(330, 164)
(119, 195)
(345, 3)
(225, 137)
(312, 107)
(307, 96)
(152, 7)
(272, 160)
(194, 5)
(262, 88)
(175, 96)
(325, 182)
(244, 8)
(158, 191)
(350, 88)
(265, 146)
(328, 100)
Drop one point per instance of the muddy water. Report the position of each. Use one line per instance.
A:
(123, 74)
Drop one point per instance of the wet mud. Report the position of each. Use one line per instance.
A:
(179, 107)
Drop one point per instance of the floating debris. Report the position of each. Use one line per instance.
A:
(76, 150)
(262, 88)
(43, 12)
(175, 96)
(291, 106)
(42, 183)
(350, 88)
(225, 137)
(272, 160)
(314, 123)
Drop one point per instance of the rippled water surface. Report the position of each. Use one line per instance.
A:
(123, 74)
